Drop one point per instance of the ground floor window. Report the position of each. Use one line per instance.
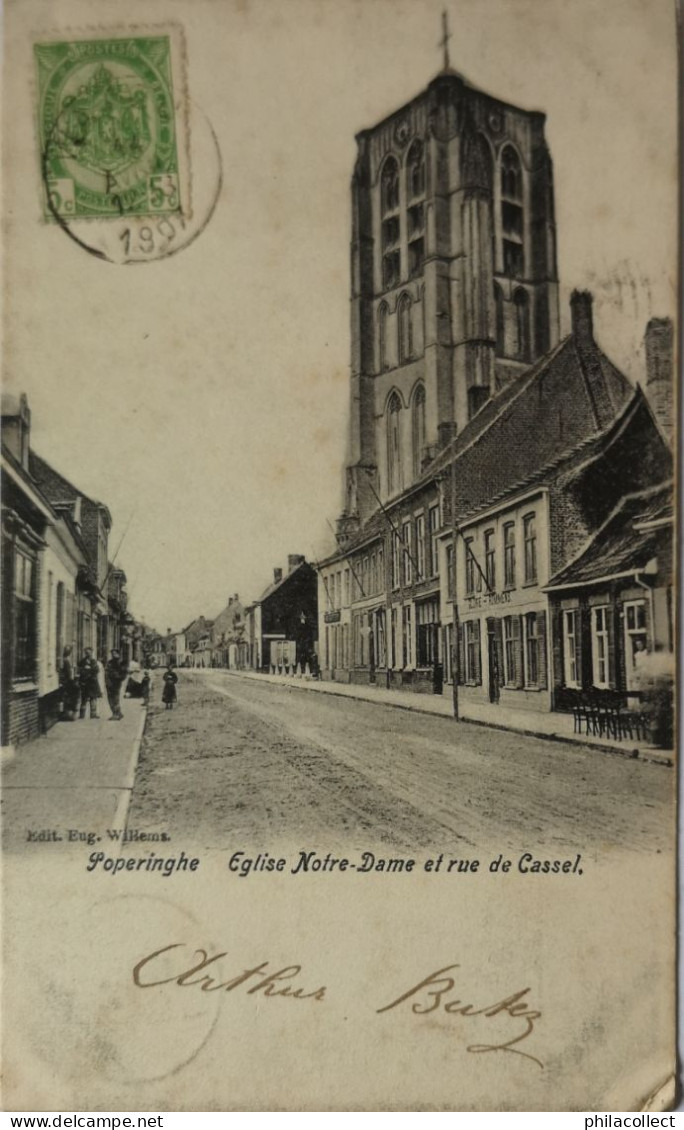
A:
(532, 649)
(406, 636)
(571, 647)
(24, 616)
(448, 645)
(636, 638)
(427, 633)
(472, 656)
(600, 645)
(513, 674)
(394, 638)
(381, 655)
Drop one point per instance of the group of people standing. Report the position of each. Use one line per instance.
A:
(80, 685)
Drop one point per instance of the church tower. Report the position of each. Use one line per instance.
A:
(454, 285)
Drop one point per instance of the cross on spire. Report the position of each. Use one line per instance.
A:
(446, 36)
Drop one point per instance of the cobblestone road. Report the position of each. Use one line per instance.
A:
(242, 764)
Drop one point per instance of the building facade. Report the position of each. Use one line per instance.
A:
(51, 598)
(463, 400)
(454, 278)
(282, 626)
(613, 605)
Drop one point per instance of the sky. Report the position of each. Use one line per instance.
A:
(204, 397)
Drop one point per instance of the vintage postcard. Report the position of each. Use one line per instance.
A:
(339, 603)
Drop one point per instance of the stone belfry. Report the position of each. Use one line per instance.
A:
(454, 285)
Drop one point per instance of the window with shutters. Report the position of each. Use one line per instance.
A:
(433, 555)
(490, 560)
(571, 647)
(407, 553)
(600, 646)
(469, 567)
(472, 652)
(406, 637)
(531, 650)
(530, 539)
(448, 652)
(512, 652)
(636, 640)
(394, 636)
(420, 547)
(380, 653)
(450, 571)
(509, 555)
(427, 633)
(24, 616)
(396, 560)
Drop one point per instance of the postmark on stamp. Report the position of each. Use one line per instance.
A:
(108, 134)
(130, 166)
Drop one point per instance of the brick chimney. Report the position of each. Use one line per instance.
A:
(659, 348)
(581, 302)
(277, 576)
(293, 560)
(589, 357)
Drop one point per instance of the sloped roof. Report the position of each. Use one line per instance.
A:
(578, 456)
(521, 430)
(275, 585)
(21, 472)
(55, 486)
(621, 546)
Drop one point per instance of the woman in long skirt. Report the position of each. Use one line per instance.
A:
(169, 695)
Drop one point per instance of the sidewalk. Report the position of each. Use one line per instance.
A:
(77, 778)
(554, 726)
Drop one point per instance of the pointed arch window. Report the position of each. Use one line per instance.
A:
(393, 444)
(512, 212)
(415, 193)
(390, 186)
(415, 167)
(391, 233)
(383, 315)
(499, 321)
(418, 428)
(522, 324)
(405, 331)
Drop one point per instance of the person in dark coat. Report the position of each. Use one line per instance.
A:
(169, 695)
(69, 685)
(115, 673)
(89, 682)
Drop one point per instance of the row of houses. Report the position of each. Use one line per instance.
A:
(532, 558)
(277, 632)
(507, 529)
(530, 562)
(59, 587)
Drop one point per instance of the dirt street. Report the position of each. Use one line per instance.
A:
(242, 764)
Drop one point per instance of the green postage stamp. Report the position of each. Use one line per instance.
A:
(108, 128)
